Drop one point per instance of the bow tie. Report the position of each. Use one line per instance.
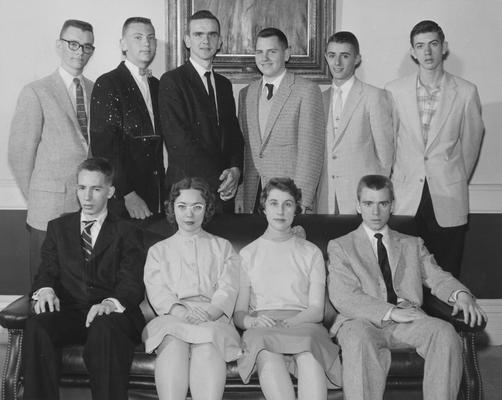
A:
(146, 72)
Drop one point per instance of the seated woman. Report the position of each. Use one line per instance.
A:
(280, 305)
(191, 281)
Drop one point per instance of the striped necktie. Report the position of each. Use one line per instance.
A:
(87, 239)
(81, 115)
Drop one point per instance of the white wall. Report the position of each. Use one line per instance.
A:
(473, 29)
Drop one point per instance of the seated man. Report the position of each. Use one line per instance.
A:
(87, 291)
(375, 282)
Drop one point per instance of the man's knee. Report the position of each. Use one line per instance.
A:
(355, 334)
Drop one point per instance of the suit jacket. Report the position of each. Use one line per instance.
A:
(115, 268)
(293, 141)
(448, 158)
(196, 144)
(364, 144)
(356, 285)
(45, 147)
(122, 131)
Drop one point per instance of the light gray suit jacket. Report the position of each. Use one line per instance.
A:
(293, 143)
(45, 148)
(356, 285)
(448, 158)
(364, 144)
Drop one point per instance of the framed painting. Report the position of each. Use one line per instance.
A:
(306, 23)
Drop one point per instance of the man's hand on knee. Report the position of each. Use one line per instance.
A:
(46, 301)
(105, 307)
(403, 315)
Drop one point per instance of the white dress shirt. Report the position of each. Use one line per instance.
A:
(142, 82)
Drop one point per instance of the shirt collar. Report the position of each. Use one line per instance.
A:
(275, 81)
(346, 86)
(199, 68)
(68, 78)
(420, 85)
(100, 218)
(133, 69)
(371, 233)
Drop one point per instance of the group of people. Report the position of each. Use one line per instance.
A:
(409, 149)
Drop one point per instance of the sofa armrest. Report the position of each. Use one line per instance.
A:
(15, 314)
(437, 308)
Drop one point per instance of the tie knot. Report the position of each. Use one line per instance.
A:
(207, 74)
(338, 91)
(76, 81)
(379, 236)
(88, 224)
(270, 88)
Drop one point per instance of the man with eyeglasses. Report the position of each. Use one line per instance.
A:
(49, 135)
(125, 124)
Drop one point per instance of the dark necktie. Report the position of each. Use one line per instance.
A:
(87, 239)
(210, 89)
(270, 89)
(81, 115)
(383, 261)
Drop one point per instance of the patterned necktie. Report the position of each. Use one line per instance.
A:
(81, 115)
(210, 89)
(87, 239)
(383, 261)
(270, 88)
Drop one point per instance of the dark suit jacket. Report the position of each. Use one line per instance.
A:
(114, 270)
(121, 130)
(196, 144)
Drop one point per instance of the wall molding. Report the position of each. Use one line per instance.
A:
(484, 198)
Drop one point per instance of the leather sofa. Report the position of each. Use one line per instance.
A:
(405, 376)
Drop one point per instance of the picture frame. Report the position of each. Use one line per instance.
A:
(306, 23)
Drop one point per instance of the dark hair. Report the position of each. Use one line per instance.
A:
(269, 32)
(75, 23)
(135, 20)
(344, 37)
(190, 183)
(203, 14)
(424, 27)
(375, 182)
(98, 164)
(285, 185)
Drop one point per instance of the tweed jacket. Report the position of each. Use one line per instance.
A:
(45, 147)
(448, 158)
(356, 285)
(293, 141)
(122, 131)
(198, 143)
(363, 145)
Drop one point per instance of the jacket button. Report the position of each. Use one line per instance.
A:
(155, 172)
(426, 158)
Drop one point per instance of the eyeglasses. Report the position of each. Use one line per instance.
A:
(196, 208)
(74, 46)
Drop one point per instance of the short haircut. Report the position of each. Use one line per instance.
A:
(375, 182)
(285, 185)
(98, 164)
(75, 23)
(270, 32)
(344, 37)
(203, 14)
(135, 20)
(424, 27)
(190, 183)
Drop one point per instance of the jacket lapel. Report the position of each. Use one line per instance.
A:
(409, 108)
(278, 103)
(365, 250)
(105, 237)
(445, 105)
(394, 250)
(353, 100)
(253, 96)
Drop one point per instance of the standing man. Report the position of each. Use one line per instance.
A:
(87, 291)
(359, 136)
(438, 131)
(197, 111)
(375, 282)
(282, 120)
(125, 124)
(48, 137)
